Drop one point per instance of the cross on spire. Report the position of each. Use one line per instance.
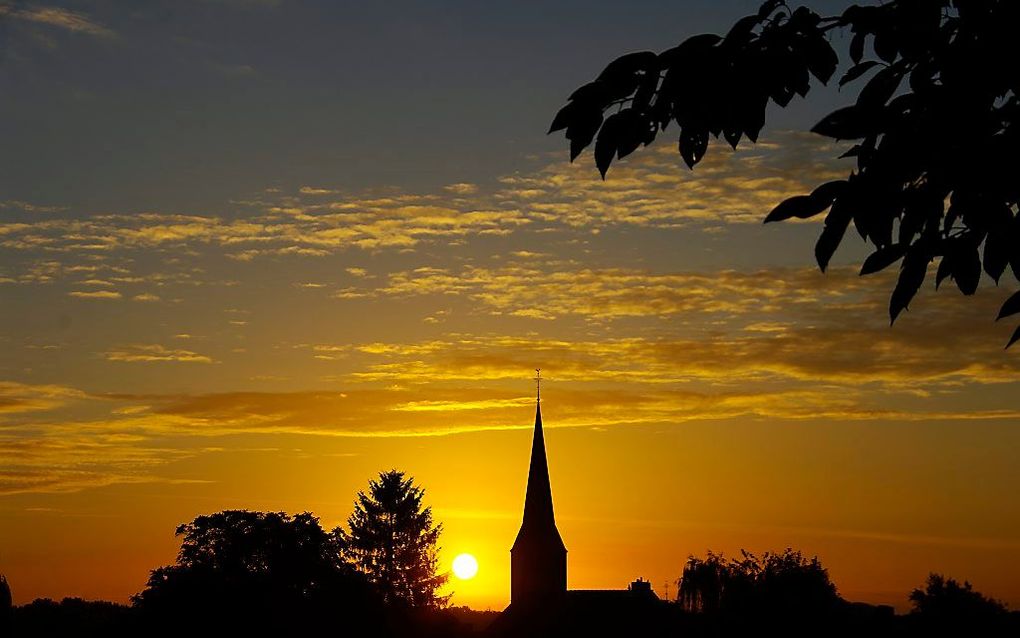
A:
(538, 384)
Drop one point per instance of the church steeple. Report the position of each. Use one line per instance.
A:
(538, 559)
(538, 508)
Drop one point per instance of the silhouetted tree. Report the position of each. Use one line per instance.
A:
(259, 571)
(775, 585)
(44, 618)
(945, 599)
(6, 603)
(392, 540)
(935, 125)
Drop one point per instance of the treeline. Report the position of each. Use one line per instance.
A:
(789, 594)
(246, 573)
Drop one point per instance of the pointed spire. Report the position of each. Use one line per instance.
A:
(538, 507)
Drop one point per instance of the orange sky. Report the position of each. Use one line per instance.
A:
(277, 347)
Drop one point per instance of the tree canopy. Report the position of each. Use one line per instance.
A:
(775, 583)
(258, 570)
(934, 126)
(391, 539)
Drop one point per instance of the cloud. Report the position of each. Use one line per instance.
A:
(648, 191)
(461, 189)
(547, 291)
(16, 398)
(57, 17)
(95, 294)
(311, 190)
(155, 353)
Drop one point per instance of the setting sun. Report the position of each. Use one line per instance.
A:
(465, 566)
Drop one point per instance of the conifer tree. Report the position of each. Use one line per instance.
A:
(392, 540)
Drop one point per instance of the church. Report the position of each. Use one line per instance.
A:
(540, 603)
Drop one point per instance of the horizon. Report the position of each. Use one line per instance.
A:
(255, 252)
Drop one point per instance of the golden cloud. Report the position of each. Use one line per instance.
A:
(57, 17)
(650, 190)
(150, 353)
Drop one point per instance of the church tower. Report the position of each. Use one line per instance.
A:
(538, 558)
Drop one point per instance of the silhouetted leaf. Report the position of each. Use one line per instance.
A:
(740, 30)
(967, 269)
(857, 71)
(689, 49)
(836, 223)
(1011, 307)
(857, 47)
(945, 270)
(827, 192)
(563, 118)
(802, 206)
(915, 266)
(822, 60)
(1014, 338)
(882, 258)
(766, 8)
(693, 144)
(880, 88)
(996, 256)
(885, 45)
(628, 65)
(847, 123)
(582, 130)
(607, 143)
(635, 129)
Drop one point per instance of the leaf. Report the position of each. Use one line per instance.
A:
(1014, 338)
(827, 192)
(996, 256)
(628, 65)
(880, 88)
(693, 144)
(732, 136)
(766, 9)
(751, 113)
(915, 267)
(836, 223)
(607, 143)
(847, 123)
(885, 44)
(857, 71)
(740, 32)
(1010, 307)
(581, 132)
(967, 270)
(563, 118)
(857, 47)
(635, 129)
(689, 50)
(801, 206)
(945, 269)
(882, 258)
(822, 60)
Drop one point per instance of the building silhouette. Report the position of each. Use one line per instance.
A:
(540, 603)
(538, 558)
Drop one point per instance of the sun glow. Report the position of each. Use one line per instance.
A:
(465, 566)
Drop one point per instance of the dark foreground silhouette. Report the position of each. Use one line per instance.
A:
(268, 574)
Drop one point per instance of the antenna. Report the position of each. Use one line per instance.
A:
(538, 385)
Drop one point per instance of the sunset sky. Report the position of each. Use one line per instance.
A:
(254, 252)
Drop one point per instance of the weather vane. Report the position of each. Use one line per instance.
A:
(538, 384)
